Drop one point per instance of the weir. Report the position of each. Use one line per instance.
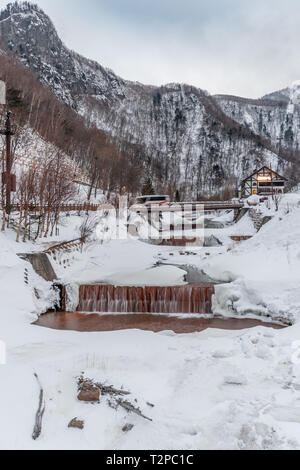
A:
(187, 299)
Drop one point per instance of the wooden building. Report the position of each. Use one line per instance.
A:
(263, 182)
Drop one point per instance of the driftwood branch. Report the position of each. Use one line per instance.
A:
(110, 390)
(40, 413)
(104, 389)
(114, 401)
(130, 408)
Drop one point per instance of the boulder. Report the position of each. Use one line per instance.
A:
(77, 424)
(213, 224)
(89, 393)
(212, 242)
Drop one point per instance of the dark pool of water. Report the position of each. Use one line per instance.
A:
(155, 323)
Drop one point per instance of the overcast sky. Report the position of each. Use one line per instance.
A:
(241, 47)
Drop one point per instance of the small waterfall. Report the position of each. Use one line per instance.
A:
(101, 298)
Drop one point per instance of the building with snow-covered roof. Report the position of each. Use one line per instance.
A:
(263, 182)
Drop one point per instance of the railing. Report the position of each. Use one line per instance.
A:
(190, 207)
(63, 208)
(172, 207)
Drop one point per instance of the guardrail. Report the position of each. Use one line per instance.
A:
(63, 208)
(189, 207)
(172, 207)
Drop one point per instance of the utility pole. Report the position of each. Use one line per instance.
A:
(8, 179)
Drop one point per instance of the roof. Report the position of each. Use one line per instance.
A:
(264, 168)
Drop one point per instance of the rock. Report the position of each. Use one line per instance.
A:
(194, 275)
(41, 265)
(128, 428)
(213, 224)
(212, 242)
(77, 424)
(89, 393)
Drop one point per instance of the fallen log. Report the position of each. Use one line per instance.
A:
(40, 412)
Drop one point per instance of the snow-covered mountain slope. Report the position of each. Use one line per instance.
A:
(187, 136)
(179, 132)
(281, 95)
(30, 35)
(275, 117)
(31, 150)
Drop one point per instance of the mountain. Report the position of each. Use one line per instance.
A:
(280, 95)
(275, 117)
(184, 138)
(27, 33)
(37, 110)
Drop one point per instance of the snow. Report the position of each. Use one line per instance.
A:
(254, 200)
(162, 276)
(266, 269)
(245, 398)
(268, 119)
(211, 390)
(32, 149)
(244, 227)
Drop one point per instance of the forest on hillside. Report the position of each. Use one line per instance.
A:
(35, 106)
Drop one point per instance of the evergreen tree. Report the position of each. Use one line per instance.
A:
(148, 189)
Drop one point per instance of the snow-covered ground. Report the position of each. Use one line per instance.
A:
(211, 390)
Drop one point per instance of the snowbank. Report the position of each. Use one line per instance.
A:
(114, 259)
(266, 270)
(23, 294)
(162, 276)
(270, 300)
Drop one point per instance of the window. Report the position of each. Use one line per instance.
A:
(157, 199)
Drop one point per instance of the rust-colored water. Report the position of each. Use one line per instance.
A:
(102, 298)
(155, 323)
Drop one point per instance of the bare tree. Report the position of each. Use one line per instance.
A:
(277, 198)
